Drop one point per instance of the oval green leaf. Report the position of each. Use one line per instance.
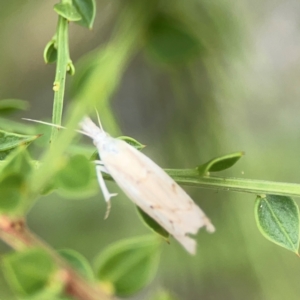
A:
(132, 142)
(95, 156)
(48, 189)
(68, 11)
(129, 265)
(11, 193)
(277, 218)
(9, 125)
(76, 175)
(219, 163)
(18, 162)
(14, 187)
(87, 11)
(28, 272)
(50, 52)
(152, 224)
(78, 262)
(9, 141)
(11, 105)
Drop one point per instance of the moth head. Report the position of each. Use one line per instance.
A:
(89, 128)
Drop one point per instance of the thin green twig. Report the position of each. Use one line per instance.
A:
(190, 177)
(63, 60)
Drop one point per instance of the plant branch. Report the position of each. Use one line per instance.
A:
(110, 64)
(190, 177)
(63, 62)
(15, 233)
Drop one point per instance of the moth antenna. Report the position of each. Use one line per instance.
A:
(98, 117)
(55, 125)
(45, 123)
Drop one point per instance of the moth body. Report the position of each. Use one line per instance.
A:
(148, 186)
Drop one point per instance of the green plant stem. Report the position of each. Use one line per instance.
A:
(244, 185)
(111, 63)
(190, 177)
(15, 233)
(63, 59)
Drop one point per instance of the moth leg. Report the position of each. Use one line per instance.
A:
(102, 169)
(107, 195)
(101, 166)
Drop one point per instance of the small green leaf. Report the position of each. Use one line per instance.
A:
(9, 125)
(13, 182)
(18, 161)
(169, 41)
(54, 290)
(11, 105)
(4, 154)
(219, 163)
(68, 11)
(71, 68)
(95, 156)
(48, 189)
(129, 265)
(277, 218)
(87, 10)
(78, 262)
(50, 52)
(76, 176)
(152, 224)
(28, 272)
(132, 142)
(11, 193)
(9, 141)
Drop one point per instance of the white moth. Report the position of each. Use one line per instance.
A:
(147, 185)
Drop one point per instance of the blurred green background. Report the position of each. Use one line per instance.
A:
(237, 90)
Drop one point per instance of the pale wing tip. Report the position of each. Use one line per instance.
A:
(188, 243)
(209, 226)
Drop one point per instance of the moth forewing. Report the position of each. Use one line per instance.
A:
(154, 191)
(147, 185)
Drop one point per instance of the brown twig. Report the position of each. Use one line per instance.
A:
(15, 233)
